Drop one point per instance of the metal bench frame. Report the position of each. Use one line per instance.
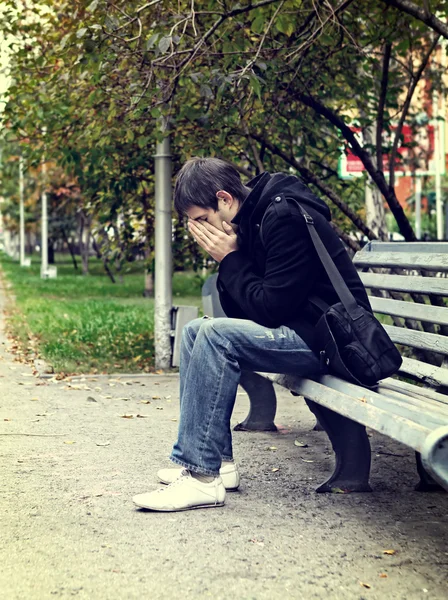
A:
(415, 415)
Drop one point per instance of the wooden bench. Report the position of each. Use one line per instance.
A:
(409, 283)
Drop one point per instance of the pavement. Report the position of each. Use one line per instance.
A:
(73, 452)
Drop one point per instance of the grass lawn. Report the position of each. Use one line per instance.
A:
(87, 324)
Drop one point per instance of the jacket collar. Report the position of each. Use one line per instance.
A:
(257, 186)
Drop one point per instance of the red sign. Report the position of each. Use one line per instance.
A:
(415, 153)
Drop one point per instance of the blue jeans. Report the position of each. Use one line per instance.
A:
(213, 354)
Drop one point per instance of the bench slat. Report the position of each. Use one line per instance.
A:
(411, 310)
(428, 374)
(413, 408)
(411, 390)
(403, 430)
(404, 260)
(432, 247)
(406, 283)
(418, 339)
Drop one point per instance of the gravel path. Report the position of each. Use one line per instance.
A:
(71, 462)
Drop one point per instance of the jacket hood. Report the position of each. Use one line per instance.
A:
(265, 186)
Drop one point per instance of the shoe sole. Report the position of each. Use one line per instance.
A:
(235, 489)
(218, 504)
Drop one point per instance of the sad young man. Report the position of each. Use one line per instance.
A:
(268, 271)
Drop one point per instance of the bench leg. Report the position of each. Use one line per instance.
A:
(426, 483)
(263, 403)
(352, 449)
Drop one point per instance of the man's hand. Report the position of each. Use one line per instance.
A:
(214, 241)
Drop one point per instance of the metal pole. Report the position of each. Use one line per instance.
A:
(418, 208)
(437, 163)
(44, 222)
(22, 213)
(163, 256)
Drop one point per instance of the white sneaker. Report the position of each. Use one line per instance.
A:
(229, 474)
(184, 493)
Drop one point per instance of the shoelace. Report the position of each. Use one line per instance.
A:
(183, 473)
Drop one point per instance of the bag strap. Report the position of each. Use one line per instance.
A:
(340, 287)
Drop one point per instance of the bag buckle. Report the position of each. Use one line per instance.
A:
(309, 219)
(324, 360)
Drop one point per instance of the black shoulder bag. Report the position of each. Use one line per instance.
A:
(353, 343)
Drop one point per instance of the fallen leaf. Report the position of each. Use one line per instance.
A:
(167, 397)
(309, 461)
(254, 541)
(69, 442)
(127, 416)
(156, 397)
(336, 490)
(34, 399)
(272, 448)
(141, 416)
(103, 444)
(300, 444)
(383, 575)
(7, 419)
(91, 399)
(389, 552)
(366, 585)
(125, 399)
(145, 402)
(175, 420)
(159, 407)
(275, 469)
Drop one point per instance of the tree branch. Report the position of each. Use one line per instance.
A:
(311, 178)
(421, 14)
(405, 110)
(376, 174)
(381, 105)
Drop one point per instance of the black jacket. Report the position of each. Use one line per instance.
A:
(270, 281)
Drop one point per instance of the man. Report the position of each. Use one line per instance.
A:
(268, 272)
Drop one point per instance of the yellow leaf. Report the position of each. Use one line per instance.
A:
(383, 575)
(137, 358)
(145, 402)
(300, 444)
(156, 397)
(366, 585)
(127, 416)
(276, 469)
(272, 448)
(390, 552)
(69, 442)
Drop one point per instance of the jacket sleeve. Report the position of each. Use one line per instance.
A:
(292, 267)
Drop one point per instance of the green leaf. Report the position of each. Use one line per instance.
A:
(258, 24)
(92, 6)
(142, 141)
(285, 24)
(164, 44)
(255, 82)
(81, 32)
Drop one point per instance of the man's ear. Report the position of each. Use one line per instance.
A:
(225, 197)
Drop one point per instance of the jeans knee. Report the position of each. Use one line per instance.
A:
(215, 326)
(191, 329)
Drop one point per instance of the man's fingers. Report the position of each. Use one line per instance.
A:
(199, 236)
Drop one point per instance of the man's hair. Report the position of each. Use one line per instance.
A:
(199, 180)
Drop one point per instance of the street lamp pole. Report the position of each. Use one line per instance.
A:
(44, 219)
(163, 256)
(22, 213)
